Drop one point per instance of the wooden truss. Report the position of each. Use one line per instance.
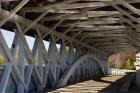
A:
(81, 27)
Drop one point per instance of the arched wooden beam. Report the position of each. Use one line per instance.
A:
(66, 76)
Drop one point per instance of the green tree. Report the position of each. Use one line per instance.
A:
(128, 64)
(1, 60)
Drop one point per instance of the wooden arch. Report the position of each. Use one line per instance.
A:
(66, 76)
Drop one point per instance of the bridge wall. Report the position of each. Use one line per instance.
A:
(86, 70)
(26, 74)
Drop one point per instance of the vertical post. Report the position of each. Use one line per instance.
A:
(71, 53)
(138, 69)
(20, 88)
(40, 59)
(63, 55)
(52, 52)
(0, 7)
(15, 72)
(5, 77)
(107, 67)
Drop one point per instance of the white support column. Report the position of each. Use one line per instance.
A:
(138, 69)
(52, 52)
(46, 61)
(5, 77)
(20, 88)
(71, 53)
(15, 44)
(7, 53)
(30, 65)
(40, 60)
(63, 55)
(30, 57)
(106, 60)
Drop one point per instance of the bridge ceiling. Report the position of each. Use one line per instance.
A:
(109, 25)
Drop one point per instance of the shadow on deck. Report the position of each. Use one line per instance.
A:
(109, 84)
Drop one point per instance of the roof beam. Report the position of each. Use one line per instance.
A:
(67, 5)
(129, 6)
(36, 21)
(104, 35)
(45, 29)
(98, 28)
(129, 22)
(101, 4)
(73, 37)
(101, 32)
(111, 43)
(108, 39)
(84, 15)
(92, 21)
(8, 0)
(14, 11)
(124, 12)
(54, 27)
(66, 31)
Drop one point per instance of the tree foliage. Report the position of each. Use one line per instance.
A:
(129, 64)
(124, 60)
(1, 60)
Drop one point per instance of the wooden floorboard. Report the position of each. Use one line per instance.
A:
(90, 86)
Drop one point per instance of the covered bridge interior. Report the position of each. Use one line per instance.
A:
(88, 32)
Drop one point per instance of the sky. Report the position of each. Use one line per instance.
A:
(9, 36)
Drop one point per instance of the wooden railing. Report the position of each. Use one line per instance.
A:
(113, 71)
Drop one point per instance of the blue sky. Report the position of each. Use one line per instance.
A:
(9, 36)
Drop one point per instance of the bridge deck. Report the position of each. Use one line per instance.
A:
(90, 86)
(107, 84)
(110, 84)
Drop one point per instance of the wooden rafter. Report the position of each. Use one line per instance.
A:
(82, 20)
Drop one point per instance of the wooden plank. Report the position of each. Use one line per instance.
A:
(129, 6)
(102, 4)
(14, 11)
(36, 21)
(43, 28)
(84, 15)
(124, 12)
(8, 0)
(95, 28)
(92, 21)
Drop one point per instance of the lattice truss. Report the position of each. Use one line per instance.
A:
(98, 27)
(53, 68)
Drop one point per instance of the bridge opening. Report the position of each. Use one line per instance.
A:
(124, 60)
